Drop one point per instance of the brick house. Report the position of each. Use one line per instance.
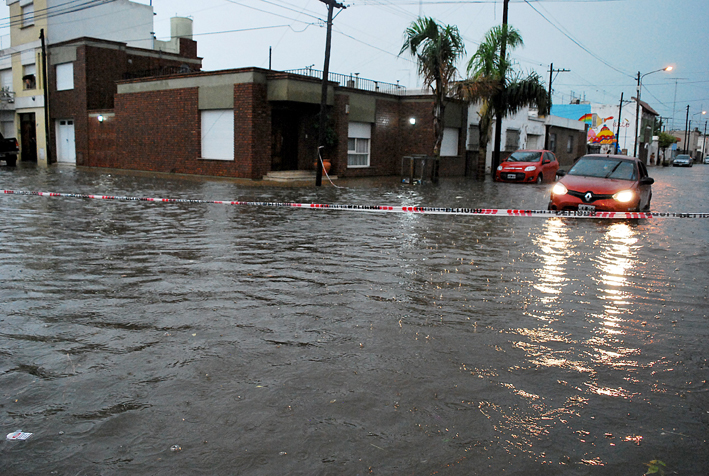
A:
(82, 83)
(249, 122)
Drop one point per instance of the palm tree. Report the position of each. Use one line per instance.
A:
(436, 48)
(501, 90)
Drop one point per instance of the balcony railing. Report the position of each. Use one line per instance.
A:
(353, 81)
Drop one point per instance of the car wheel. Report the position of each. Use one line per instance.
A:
(540, 178)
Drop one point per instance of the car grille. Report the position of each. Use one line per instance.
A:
(589, 197)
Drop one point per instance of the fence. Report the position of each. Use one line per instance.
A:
(353, 81)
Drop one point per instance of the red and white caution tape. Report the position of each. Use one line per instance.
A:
(493, 212)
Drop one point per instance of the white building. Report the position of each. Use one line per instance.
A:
(526, 130)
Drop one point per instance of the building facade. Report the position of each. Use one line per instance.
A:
(249, 122)
(41, 58)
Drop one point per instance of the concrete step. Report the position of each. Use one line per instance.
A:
(293, 176)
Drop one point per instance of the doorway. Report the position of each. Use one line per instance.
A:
(28, 137)
(284, 140)
(66, 145)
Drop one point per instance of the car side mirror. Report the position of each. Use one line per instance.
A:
(561, 173)
(647, 181)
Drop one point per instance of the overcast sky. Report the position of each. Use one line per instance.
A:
(604, 43)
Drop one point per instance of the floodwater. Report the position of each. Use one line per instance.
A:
(145, 338)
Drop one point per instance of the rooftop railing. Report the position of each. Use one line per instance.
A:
(353, 81)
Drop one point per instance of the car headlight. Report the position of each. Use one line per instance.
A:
(530, 168)
(624, 196)
(559, 189)
(499, 167)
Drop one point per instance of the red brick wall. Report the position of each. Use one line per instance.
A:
(70, 104)
(252, 130)
(158, 131)
(102, 142)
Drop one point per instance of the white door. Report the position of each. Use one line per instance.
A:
(66, 147)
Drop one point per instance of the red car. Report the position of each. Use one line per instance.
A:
(612, 183)
(534, 166)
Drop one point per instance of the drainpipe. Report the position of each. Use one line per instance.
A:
(48, 139)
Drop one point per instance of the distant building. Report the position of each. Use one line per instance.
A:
(526, 130)
(609, 133)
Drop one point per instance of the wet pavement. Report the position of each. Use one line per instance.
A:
(174, 338)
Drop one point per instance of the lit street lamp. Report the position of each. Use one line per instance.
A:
(637, 105)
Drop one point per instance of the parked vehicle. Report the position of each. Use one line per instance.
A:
(682, 160)
(598, 182)
(706, 159)
(535, 166)
(9, 148)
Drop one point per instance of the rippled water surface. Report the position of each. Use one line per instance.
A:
(172, 338)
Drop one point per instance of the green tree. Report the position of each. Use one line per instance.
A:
(436, 48)
(500, 89)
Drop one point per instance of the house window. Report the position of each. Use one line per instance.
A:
(358, 138)
(512, 139)
(218, 134)
(65, 76)
(27, 15)
(570, 144)
(552, 142)
(29, 76)
(449, 145)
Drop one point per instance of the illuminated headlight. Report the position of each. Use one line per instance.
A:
(624, 196)
(530, 168)
(499, 167)
(559, 189)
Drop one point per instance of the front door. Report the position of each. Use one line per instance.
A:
(28, 137)
(66, 147)
(284, 140)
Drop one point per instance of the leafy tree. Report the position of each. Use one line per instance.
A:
(501, 90)
(666, 140)
(436, 48)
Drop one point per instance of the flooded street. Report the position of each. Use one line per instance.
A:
(174, 338)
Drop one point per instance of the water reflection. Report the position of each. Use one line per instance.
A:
(554, 251)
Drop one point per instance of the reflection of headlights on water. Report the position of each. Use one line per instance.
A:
(624, 196)
(530, 168)
(559, 189)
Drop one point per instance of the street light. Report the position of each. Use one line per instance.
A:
(637, 105)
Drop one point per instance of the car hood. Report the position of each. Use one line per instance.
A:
(515, 165)
(597, 185)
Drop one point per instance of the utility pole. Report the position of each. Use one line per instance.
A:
(551, 75)
(331, 4)
(620, 118)
(551, 79)
(498, 114)
(686, 130)
(637, 118)
(47, 139)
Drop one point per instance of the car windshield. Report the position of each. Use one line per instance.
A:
(683, 157)
(524, 157)
(604, 167)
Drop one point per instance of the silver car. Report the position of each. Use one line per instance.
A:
(682, 160)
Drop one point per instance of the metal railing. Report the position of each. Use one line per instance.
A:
(353, 81)
(164, 71)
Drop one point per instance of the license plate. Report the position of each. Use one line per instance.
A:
(512, 176)
(587, 208)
